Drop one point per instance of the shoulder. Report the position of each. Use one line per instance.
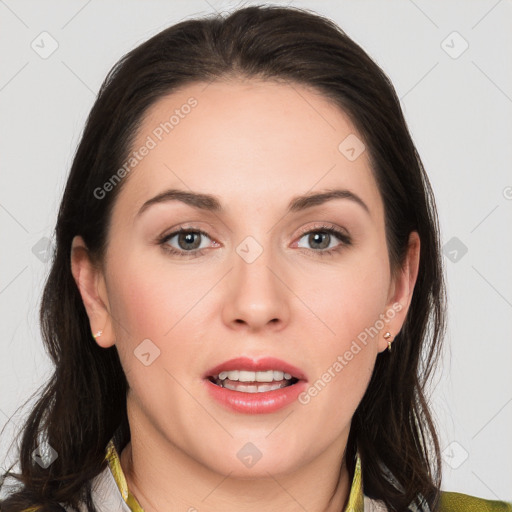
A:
(450, 502)
(458, 502)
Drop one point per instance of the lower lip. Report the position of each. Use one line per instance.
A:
(256, 403)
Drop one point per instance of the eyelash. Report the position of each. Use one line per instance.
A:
(344, 239)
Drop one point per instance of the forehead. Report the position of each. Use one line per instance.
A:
(252, 143)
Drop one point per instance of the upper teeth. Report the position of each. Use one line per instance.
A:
(246, 376)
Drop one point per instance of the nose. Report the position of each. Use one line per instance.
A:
(257, 294)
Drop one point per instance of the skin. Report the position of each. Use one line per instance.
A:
(255, 145)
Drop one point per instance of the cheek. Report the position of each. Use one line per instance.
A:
(160, 303)
(346, 299)
(151, 295)
(153, 302)
(348, 302)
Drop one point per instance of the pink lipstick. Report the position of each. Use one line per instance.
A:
(254, 386)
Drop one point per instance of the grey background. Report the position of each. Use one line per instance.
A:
(458, 105)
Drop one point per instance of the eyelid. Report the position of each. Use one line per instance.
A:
(325, 226)
(184, 227)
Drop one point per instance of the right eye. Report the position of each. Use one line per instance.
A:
(188, 241)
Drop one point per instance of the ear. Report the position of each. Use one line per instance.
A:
(91, 284)
(400, 292)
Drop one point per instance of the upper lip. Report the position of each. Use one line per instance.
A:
(255, 365)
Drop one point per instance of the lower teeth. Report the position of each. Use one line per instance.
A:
(253, 388)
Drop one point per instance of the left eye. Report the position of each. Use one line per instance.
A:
(321, 238)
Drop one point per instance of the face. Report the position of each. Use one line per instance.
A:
(310, 285)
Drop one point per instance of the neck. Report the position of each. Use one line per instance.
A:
(185, 484)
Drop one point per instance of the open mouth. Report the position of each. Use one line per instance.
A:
(253, 382)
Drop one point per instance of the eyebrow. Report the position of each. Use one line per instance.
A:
(212, 203)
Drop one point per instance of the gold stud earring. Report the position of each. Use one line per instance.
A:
(98, 334)
(386, 337)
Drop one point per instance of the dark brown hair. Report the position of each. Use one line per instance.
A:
(84, 402)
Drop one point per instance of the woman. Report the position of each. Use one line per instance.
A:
(260, 371)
